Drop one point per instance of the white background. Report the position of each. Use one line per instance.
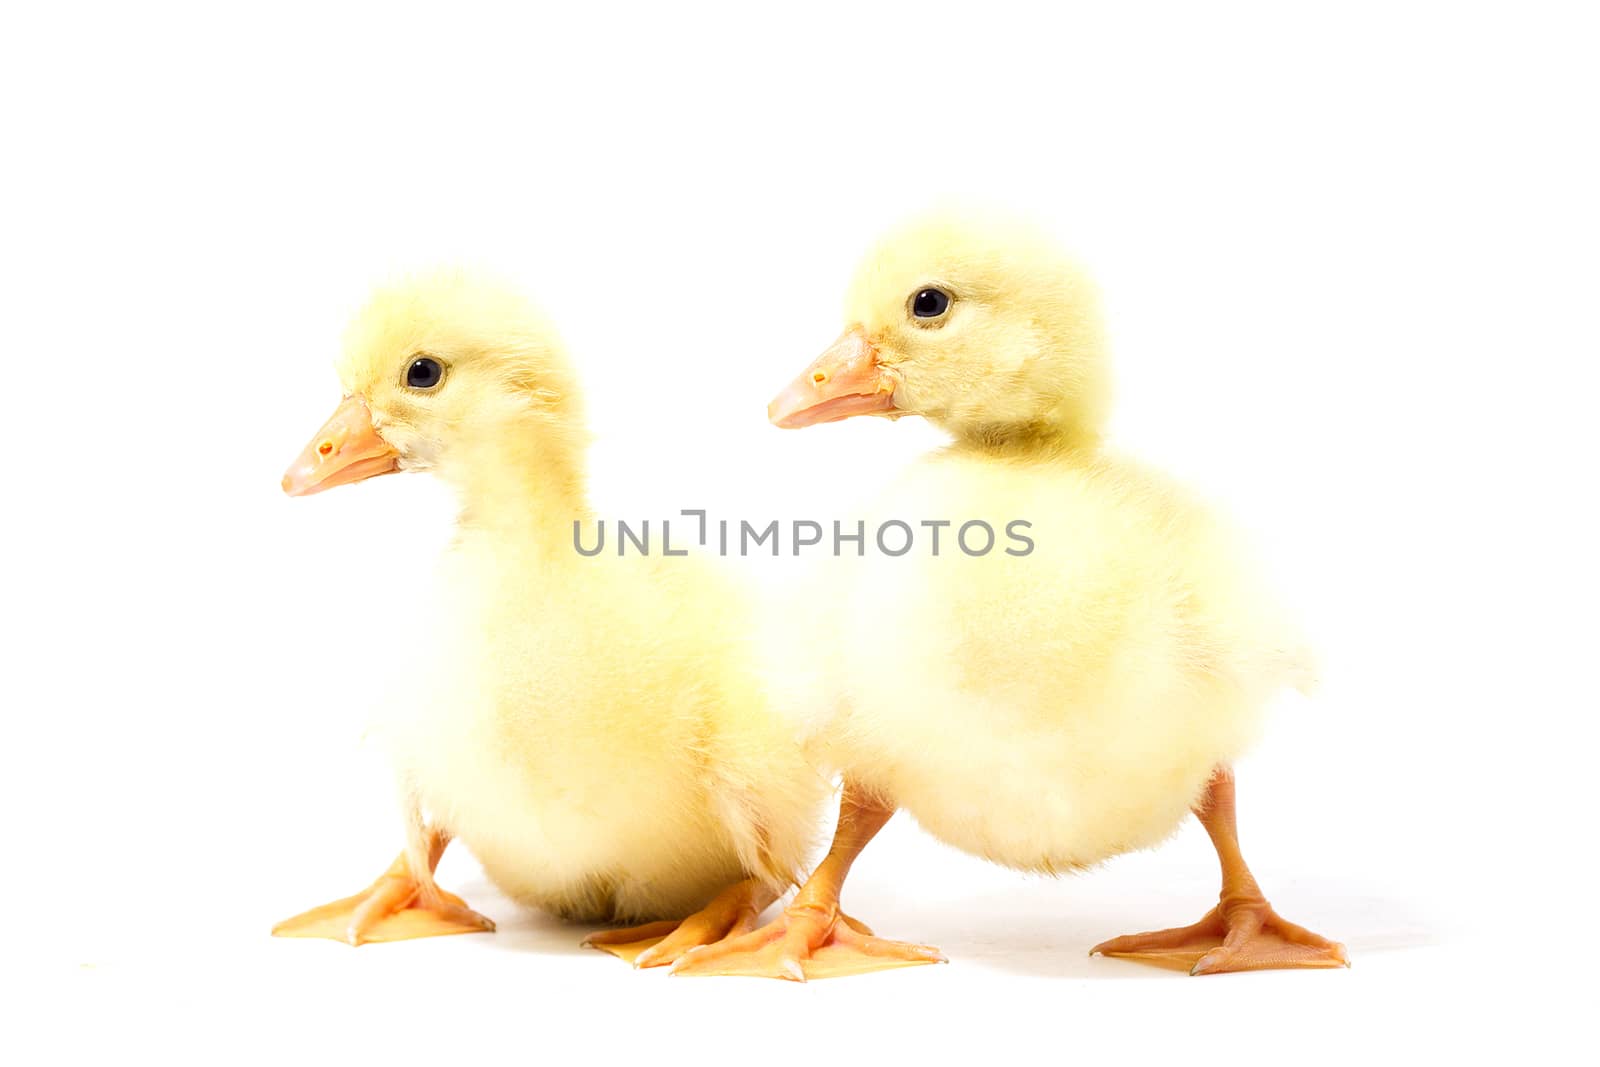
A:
(1350, 263)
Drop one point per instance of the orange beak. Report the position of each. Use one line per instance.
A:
(845, 380)
(347, 449)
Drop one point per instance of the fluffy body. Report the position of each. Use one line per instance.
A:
(1052, 710)
(591, 728)
(595, 740)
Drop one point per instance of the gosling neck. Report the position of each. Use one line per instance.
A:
(525, 481)
(1023, 439)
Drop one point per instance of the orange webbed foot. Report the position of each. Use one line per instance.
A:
(805, 943)
(1241, 936)
(396, 907)
(732, 913)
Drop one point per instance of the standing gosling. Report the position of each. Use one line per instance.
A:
(1046, 709)
(592, 728)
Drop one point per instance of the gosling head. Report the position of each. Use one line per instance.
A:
(432, 367)
(978, 324)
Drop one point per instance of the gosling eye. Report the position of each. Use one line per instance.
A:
(930, 303)
(424, 373)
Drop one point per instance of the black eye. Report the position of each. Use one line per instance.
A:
(930, 303)
(424, 373)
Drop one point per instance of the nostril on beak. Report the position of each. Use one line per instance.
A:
(325, 448)
(818, 378)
